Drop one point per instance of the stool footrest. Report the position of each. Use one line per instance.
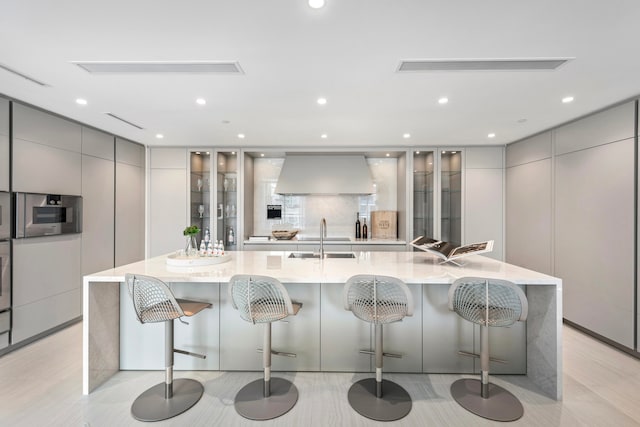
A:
(279, 353)
(188, 353)
(477, 356)
(371, 352)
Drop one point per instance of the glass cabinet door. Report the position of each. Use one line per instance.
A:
(227, 199)
(451, 196)
(423, 184)
(200, 191)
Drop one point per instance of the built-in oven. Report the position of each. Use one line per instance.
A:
(47, 214)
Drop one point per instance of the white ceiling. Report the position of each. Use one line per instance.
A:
(347, 52)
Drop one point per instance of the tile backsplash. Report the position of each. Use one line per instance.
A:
(305, 212)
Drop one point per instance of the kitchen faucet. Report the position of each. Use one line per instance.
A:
(323, 234)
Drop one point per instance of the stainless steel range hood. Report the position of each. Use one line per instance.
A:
(325, 174)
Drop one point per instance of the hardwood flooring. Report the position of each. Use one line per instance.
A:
(40, 385)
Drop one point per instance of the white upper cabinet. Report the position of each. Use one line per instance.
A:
(4, 144)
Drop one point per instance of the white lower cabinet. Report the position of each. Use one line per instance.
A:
(142, 345)
(300, 334)
(344, 335)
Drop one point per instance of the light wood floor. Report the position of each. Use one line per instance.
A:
(40, 385)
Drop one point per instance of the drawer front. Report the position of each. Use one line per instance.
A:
(5, 321)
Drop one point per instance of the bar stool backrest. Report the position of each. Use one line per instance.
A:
(488, 302)
(259, 299)
(153, 301)
(377, 299)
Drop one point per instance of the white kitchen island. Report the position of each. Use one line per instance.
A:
(324, 335)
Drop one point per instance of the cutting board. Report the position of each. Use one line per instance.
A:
(384, 224)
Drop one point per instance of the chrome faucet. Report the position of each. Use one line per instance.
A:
(323, 234)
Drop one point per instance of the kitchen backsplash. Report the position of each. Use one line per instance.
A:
(305, 212)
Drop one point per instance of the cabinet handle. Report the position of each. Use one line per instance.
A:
(221, 211)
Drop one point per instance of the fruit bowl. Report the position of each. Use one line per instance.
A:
(284, 234)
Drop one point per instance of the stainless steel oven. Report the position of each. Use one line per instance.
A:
(47, 214)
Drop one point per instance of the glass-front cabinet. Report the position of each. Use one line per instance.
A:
(451, 196)
(437, 194)
(227, 185)
(423, 201)
(200, 191)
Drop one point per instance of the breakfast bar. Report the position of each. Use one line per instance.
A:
(324, 336)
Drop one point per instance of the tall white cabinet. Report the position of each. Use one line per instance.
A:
(571, 213)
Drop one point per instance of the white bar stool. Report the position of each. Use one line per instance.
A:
(263, 299)
(378, 300)
(154, 302)
(487, 302)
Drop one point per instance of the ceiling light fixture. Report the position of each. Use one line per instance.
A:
(81, 101)
(567, 99)
(201, 101)
(316, 4)
(387, 154)
(406, 135)
(322, 101)
(241, 135)
(491, 135)
(159, 136)
(323, 136)
(443, 100)
(417, 152)
(261, 154)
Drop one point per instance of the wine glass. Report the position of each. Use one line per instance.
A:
(201, 210)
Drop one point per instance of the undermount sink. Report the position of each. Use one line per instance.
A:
(305, 255)
(326, 239)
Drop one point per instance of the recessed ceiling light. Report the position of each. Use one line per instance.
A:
(261, 154)
(453, 152)
(81, 101)
(159, 135)
(233, 153)
(207, 153)
(443, 100)
(406, 135)
(322, 101)
(324, 136)
(417, 152)
(491, 135)
(567, 99)
(201, 101)
(316, 4)
(197, 152)
(387, 154)
(241, 135)
(444, 152)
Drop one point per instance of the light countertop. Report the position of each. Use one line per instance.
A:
(411, 267)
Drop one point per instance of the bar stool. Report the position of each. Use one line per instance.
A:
(154, 302)
(487, 302)
(263, 299)
(378, 300)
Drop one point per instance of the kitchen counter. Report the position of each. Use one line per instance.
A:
(318, 283)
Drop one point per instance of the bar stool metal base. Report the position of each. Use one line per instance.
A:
(153, 406)
(251, 403)
(394, 404)
(501, 405)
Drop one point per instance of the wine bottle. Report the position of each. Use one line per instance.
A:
(358, 225)
(365, 230)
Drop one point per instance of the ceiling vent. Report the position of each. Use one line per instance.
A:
(24, 76)
(124, 121)
(523, 64)
(210, 67)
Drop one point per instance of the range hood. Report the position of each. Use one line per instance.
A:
(324, 174)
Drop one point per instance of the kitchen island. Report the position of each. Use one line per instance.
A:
(323, 334)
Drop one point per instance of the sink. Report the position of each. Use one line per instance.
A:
(340, 255)
(326, 239)
(305, 255)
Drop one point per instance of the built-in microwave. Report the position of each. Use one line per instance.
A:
(47, 214)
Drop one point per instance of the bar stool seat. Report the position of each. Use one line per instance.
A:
(263, 299)
(488, 303)
(378, 300)
(154, 302)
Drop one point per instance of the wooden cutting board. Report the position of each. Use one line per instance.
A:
(384, 225)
